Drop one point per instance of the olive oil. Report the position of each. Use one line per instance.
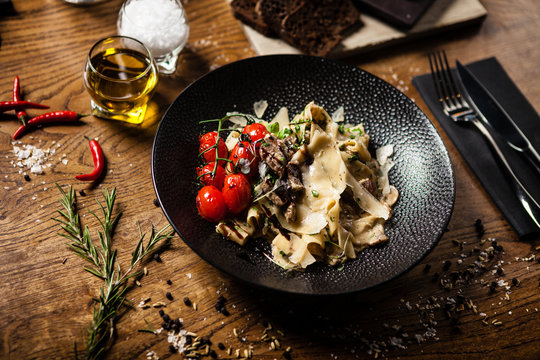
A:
(120, 81)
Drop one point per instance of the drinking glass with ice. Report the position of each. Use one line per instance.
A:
(160, 24)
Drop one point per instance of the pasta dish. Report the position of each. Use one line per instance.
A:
(318, 194)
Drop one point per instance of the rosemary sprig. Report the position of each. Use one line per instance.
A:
(104, 264)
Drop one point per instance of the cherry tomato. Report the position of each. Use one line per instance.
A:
(206, 177)
(244, 159)
(256, 131)
(207, 141)
(236, 193)
(210, 204)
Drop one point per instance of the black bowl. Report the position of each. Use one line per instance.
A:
(423, 172)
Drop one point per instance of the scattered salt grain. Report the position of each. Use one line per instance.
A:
(30, 157)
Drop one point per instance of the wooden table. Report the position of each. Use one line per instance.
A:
(46, 300)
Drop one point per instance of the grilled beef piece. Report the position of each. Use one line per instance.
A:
(294, 178)
(282, 192)
(278, 196)
(288, 145)
(272, 154)
(290, 212)
(276, 153)
(370, 186)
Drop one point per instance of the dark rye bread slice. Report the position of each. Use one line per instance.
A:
(318, 26)
(246, 11)
(273, 12)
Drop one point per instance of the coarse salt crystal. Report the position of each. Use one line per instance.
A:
(36, 169)
(159, 24)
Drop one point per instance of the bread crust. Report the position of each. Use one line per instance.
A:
(315, 27)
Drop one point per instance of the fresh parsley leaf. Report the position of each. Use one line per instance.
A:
(283, 133)
(273, 127)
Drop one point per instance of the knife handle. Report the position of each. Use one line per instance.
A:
(532, 156)
(521, 192)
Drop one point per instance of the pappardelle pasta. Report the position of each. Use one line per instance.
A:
(317, 194)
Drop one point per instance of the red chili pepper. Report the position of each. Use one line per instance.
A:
(55, 117)
(18, 105)
(99, 162)
(21, 114)
(17, 134)
(47, 118)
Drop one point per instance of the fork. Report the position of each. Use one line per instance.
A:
(456, 107)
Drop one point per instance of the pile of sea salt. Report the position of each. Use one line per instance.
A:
(160, 24)
(31, 158)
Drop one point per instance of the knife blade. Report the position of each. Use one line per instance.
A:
(494, 115)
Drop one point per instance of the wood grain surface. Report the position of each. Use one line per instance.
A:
(46, 296)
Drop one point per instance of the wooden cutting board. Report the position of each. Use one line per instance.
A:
(441, 15)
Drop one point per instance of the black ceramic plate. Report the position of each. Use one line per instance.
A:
(423, 173)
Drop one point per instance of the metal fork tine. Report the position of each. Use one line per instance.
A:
(435, 74)
(456, 93)
(448, 91)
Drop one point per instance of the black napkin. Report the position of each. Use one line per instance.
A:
(476, 150)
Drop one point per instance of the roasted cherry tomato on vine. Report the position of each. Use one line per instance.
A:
(256, 132)
(210, 204)
(236, 193)
(208, 177)
(244, 159)
(207, 147)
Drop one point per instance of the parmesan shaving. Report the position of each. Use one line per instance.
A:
(338, 115)
(260, 107)
(282, 118)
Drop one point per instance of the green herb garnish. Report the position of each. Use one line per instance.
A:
(283, 133)
(273, 127)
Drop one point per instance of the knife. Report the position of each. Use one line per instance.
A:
(496, 117)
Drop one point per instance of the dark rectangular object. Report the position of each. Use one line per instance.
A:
(401, 13)
(6, 8)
